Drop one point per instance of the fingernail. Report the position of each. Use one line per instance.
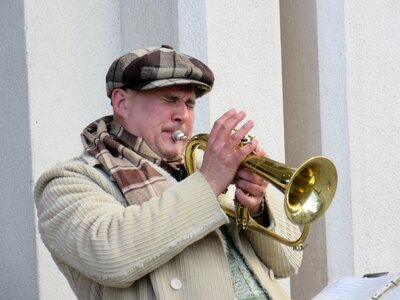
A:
(242, 113)
(255, 144)
(250, 123)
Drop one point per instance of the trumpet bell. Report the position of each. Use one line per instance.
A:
(310, 191)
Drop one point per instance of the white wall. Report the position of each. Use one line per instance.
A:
(373, 101)
(244, 52)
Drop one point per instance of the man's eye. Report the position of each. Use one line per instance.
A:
(168, 99)
(191, 104)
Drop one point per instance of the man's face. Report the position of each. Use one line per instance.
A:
(154, 115)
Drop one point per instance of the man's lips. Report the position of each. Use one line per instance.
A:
(171, 133)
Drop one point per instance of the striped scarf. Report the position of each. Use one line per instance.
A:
(126, 158)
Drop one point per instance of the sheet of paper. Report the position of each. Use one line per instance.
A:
(355, 288)
(392, 294)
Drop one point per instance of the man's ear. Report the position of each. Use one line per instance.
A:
(118, 101)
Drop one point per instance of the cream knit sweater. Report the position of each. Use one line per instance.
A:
(168, 248)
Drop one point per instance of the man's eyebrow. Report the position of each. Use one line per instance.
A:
(175, 97)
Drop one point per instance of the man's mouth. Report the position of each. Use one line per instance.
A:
(169, 133)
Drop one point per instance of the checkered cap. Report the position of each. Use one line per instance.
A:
(151, 68)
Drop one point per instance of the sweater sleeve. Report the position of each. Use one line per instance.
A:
(84, 224)
(282, 259)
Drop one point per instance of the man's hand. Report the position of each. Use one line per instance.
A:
(250, 189)
(222, 156)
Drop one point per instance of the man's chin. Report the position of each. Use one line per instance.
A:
(172, 154)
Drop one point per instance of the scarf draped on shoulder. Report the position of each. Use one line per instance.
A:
(127, 159)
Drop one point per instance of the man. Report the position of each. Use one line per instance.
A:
(124, 221)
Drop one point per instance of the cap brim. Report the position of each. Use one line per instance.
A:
(201, 87)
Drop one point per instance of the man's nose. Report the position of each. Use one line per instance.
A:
(181, 111)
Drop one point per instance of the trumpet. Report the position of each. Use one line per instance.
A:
(308, 190)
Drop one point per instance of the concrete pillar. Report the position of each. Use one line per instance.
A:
(18, 261)
(69, 47)
(335, 135)
(302, 124)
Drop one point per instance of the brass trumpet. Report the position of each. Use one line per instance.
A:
(308, 190)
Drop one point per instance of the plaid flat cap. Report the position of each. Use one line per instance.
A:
(156, 67)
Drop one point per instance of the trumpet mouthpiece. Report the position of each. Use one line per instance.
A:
(179, 136)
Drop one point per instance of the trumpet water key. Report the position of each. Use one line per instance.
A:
(308, 190)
